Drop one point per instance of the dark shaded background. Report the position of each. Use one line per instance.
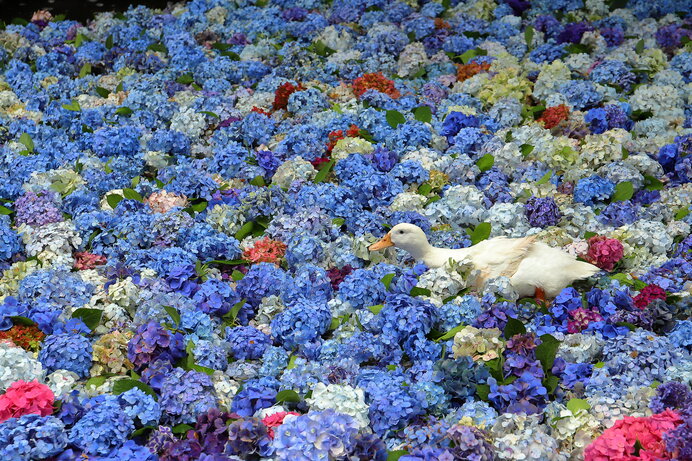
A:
(79, 10)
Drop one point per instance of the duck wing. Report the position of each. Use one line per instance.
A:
(501, 255)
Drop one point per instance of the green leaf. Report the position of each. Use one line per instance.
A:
(623, 191)
(221, 46)
(233, 313)
(237, 275)
(387, 280)
(211, 114)
(653, 183)
(395, 118)
(185, 79)
(287, 396)
(639, 47)
(480, 232)
(96, 381)
(574, 405)
(551, 382)
(599, 365)
(376, 308)
(482, 391)
(109, 42)
(181, 428)
(513, 327)
(79, 39)
(546, 351)
(681, 213)
(160, 47)
(470, 54)
(417, 291)
(4, 210)
(141, 431)
(91, 317)
(231, 54)
(73, 106)
(324, 171)
(123, 111)
(291, 362)
(486, 162)
(125, 385)
(425, 188)
(245, 230)
(173, 314)
(337, 108)
(85, 70)
(451, 333)
(528, 35)
(396, 454)
(201, 369)
(132, 194)
(25, 139)
(526, 149)
(119, 88)
(258, 181)
(338, 222)
(21, 320)
(423, 114)
(114, 199)
(626, 324)
(576, 48)
(545, 178)
(589, 234)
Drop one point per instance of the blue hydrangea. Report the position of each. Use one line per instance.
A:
(310, 283)
(185, 395)
(32, 437)
(274, 360)
(140, 407)
(301, 323)
(255, 395)
(215, 297)
(111, 141)
(362, 288)
(593, 189)
(210, 355)
(263, 279)
(66, 352)
(581, 94)
(463, 310)
(9, 240)
(247, 343)
(104, 427)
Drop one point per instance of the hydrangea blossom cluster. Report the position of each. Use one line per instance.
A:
(187, 198)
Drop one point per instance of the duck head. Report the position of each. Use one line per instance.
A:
(408, 237)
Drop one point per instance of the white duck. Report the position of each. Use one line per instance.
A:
(533, 268)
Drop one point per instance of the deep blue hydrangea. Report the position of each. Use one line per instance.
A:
(263, 279)
(66, 352)
(102, 428)
(525, 395)
(608, 117)
(542, 212)
(301, 323)
(310, 283)
(406, 316)
(593, 189)
(620, 213)
(547, 53)
(581, 94)
(140, 407)
(247, 343)
(255, 395)
(32, 437)
(111, 141)
(185, 395)
(362, 288)
(215, 297)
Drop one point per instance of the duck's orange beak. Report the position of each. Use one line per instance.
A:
(385, 242)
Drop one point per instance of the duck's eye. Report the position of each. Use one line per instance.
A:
(401, 232)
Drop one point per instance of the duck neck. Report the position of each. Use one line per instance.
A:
(419, 252)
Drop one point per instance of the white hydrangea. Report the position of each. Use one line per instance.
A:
(16, 364)
(51, 243)
(269, 307)
(408, 201)
(225, 218)
(189, 122)
(341, 398)
(460, 206)
(574, 431)
(508, 219)
(347, 146)
(661, 100)
(411, 59)
(225, 388)
(522, 437)
(579, 348)
(550, 78)
(293, 170)
(61, 382)
(443, 283)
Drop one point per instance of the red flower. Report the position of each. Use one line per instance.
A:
(259, 110)
(25, 336)
(85, 260)
(276, 420)
(552, 116)
(604, 252)
(375, 81)
(266, 251)
(24, 398)
(283, 92)
(465, 72)
(648, 294)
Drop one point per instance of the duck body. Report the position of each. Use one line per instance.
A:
(530, 265)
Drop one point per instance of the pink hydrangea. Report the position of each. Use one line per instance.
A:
(648, 294)
(84, 260)
(266, 250)
(604, 252)
(618, 442)
(26, 398)
(581, 318)
(276, 420)
(162, 201)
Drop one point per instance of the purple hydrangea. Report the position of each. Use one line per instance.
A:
(185, 395)
(152, 342)
(37, 209)
(542, 212)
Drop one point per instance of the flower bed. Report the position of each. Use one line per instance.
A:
(187, 197)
